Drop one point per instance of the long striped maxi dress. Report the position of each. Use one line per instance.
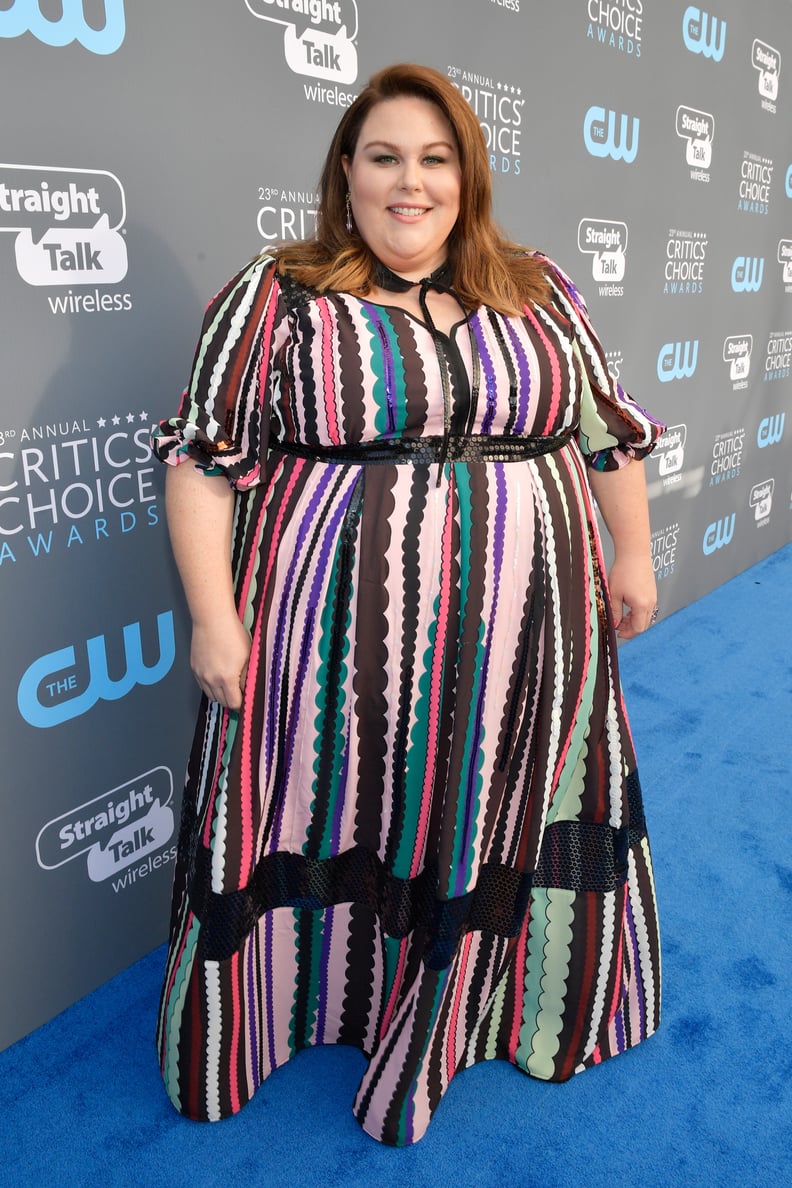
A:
(422, 834)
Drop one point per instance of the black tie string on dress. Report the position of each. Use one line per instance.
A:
(439, 280)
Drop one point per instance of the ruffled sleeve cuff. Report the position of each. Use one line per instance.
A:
(177, 440)
(223, 421)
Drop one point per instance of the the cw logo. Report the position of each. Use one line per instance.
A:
(703, 34)
(718, 534)
(677, 360)
(747, 273)
(599, 135)
(53, 676)
(26, 16)
(771, 430)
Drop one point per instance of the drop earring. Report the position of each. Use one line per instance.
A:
(349, 213)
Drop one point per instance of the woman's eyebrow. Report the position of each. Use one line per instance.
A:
(387, 144)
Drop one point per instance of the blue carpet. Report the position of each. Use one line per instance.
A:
(707, 1101)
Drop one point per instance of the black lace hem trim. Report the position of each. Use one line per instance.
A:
(577, 856)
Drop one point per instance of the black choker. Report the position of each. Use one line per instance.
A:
(385, 278)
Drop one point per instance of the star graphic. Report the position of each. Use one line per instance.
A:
(144, 416)
(101, 422)
(116, 420)
(130, 418)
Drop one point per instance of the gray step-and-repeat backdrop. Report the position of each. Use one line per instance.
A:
(148, 151)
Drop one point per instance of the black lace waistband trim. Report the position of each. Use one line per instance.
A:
(428, 450)
(578, 856)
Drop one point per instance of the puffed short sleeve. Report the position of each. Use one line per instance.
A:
(223, 420)
(613, 427)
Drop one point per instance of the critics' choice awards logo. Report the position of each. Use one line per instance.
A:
(617, 24)
(124, 826)
(25, 16)
(499, 108)
(703, 34)
(669, 454)
(664, 550)
(605, 240)
(718, 535)
(614, 360)
(72, 484)
(319, 41)
(686, 254)
(697, 129)
(756, 175)
(737, 353)
(611, 134)
(285, 214)
(727, 456)
(747, 274)
(761, 500)
(771, 430)
(784, 258)
(677, 360)
(63, 685)
(767, 61)
(778, 356)
(67, 225)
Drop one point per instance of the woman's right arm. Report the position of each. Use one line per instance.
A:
(200, 511)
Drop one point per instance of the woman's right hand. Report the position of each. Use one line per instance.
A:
(200, 514)
(219, 658)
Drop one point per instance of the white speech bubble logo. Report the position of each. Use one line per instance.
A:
(697, 129)
(97, 824)
(606, 242)
(317, 40)
(737, 353)
(761, 498)
(67, 222)
(97, 256)
(767, 61)
(670, 449)
(130, 844)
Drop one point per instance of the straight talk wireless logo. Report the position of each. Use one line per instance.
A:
(697, 129)
(319, 39)
(68, 228)
(120, 833)
(767, 62)
(605, 240)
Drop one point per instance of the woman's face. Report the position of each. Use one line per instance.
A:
(404, 184)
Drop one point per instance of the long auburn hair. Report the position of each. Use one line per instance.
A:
(488, 269)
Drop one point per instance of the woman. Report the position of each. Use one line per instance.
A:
(412, 821)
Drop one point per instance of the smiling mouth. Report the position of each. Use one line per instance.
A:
(409, 210)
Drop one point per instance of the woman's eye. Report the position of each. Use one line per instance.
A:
(384, 159)
(434, 160)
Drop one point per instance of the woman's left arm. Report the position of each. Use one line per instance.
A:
(621, 496)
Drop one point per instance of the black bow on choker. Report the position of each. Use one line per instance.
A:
(386, 278)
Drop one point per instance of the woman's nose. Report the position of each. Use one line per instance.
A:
(411, 176)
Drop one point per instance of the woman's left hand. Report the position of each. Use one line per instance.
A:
(633, 594)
